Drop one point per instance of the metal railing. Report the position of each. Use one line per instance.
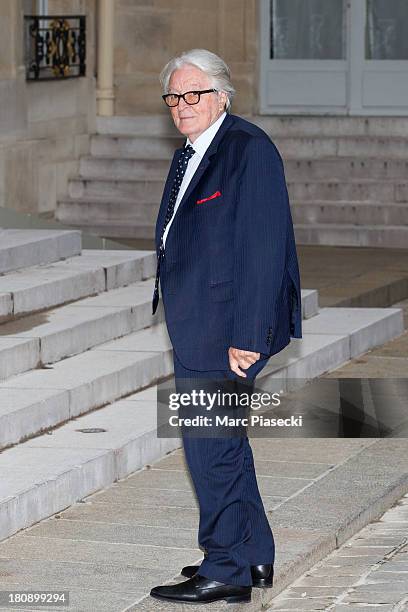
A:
(55, 46)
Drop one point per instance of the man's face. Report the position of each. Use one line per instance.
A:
(193, 120)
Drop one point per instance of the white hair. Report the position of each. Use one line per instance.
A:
(210, 63)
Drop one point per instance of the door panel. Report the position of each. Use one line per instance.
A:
(307, 29)
(304, 68)
(386, 30)
(384, 70)
(334, 57)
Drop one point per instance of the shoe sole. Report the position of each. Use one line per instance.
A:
(228, 599)
(261, 583)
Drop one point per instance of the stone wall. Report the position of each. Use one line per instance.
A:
(149, 32)
(44, 126)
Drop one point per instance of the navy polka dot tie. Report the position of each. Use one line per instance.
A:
(186, 153)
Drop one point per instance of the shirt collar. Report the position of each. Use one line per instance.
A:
(201, 144)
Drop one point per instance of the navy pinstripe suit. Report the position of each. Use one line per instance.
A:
(230, 278)
(231, 275)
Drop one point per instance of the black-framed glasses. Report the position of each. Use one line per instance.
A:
(190, 97)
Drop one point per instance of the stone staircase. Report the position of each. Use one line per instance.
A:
(80, 358)
(347, 178)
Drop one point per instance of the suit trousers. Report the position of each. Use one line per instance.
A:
(233, 530)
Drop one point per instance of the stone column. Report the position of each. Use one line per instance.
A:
(104, 93)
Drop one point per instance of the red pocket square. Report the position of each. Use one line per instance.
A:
(211, 197)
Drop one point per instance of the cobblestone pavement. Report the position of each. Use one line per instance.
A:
(367, 573)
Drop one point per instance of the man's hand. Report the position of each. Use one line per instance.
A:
(238, 358)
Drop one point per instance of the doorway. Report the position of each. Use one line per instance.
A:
(345, 57)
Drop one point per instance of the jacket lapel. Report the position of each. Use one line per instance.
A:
(205, 162)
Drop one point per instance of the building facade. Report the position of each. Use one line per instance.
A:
(340, 58)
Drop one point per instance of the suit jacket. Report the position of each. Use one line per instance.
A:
(230, 273)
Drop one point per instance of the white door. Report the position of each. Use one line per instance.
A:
(379, 57)
(303, 56)
(334, 57)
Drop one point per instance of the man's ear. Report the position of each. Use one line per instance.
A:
(224, 98)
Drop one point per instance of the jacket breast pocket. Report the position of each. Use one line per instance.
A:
(222, 291)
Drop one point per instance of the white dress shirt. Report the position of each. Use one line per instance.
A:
(200, 146)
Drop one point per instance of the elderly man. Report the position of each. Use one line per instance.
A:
(230, 286)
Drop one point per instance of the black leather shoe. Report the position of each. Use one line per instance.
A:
(262, 575)
(199, 589)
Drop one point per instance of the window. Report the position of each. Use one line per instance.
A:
(386, 30)
(307, 29)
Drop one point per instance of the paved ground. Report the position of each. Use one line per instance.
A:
(113, 547)
(351, 276)
(369, 573)
(348, 276)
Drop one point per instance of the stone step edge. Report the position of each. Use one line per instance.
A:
(26, 340)
(155, 119)
(43, 246)
(119, 228)
(309, 301)
(109, 199)
(348, 226)
(146, 227)
(109, 474)
(310, 308)
(146, 262)
(104, 470)
(278, 137)
(11, 506)
(283, 578)
(327, 158)
(50, 420)
(162, 369)
(85, 253)
(89, 475)
(106, 178)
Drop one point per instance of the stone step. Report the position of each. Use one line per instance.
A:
(291, 125)
(47, 474)
(20, 248)
(352, 190)
(35, 288)
(124, 167)
(150, 190)
(345, 168)
(296, 126)
(295, 169)
(290, 147)
(39, 399)
(81, 210)
(331, 234)
(35, 341)
(51, 472)
(67, 332)
(146, 190)
(354, 213)
(137, 125)
(112, 229)
(337, 234)
(107, 210)
(141, 147)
